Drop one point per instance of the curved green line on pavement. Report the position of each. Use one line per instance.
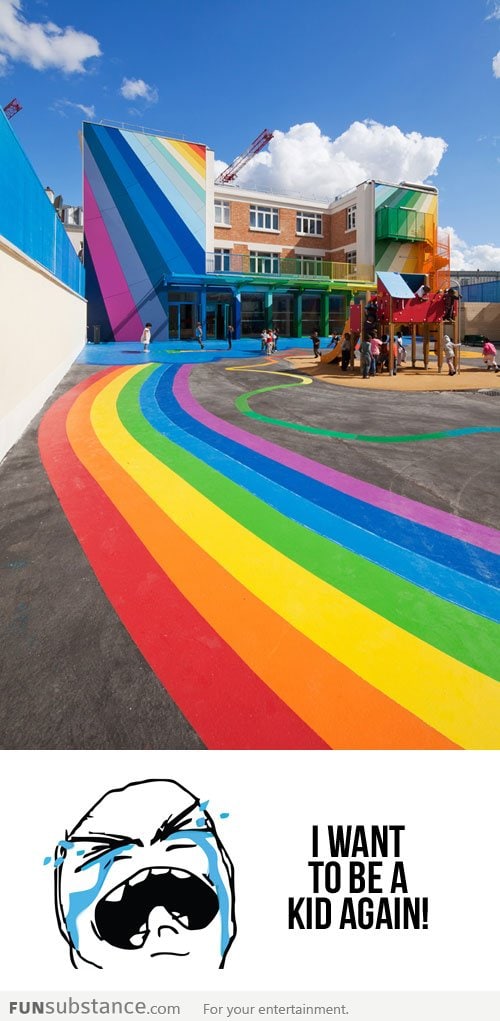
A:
(242, 403)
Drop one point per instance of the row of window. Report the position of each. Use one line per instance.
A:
(269, 262)
(267, 218)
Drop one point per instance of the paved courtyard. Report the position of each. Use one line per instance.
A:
(208, 552)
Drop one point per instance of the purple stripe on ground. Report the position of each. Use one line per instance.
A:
(460, 528)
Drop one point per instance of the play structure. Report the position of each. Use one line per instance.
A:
(395, 306)
(334, 354)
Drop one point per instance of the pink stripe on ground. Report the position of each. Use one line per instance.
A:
(120, 305)
(460, 528)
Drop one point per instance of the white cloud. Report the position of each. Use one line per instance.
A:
(303, 161)
(136, 88)
(42, 45)
(61, 104)
(495, 63)
(495, 14)
(465, 256)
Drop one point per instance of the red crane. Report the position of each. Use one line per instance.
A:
(234, 168)
(12, 108)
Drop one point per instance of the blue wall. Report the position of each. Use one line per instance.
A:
(489, 291)
(28, 219)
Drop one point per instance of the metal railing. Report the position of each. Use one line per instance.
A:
(273, 265)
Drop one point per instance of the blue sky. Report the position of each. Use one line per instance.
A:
(218, 72)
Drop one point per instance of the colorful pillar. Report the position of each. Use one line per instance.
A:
(298, 314)
(268, 309)
(237, 316)
(324, 314)
(203, 310)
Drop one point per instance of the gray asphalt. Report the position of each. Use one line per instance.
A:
(70, 675)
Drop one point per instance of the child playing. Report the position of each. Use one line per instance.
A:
(316, 343)
(449, 352)
(490, 355)
(365, 358)
(269, 343)
(146, 337)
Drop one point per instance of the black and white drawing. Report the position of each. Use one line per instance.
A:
(143, 876)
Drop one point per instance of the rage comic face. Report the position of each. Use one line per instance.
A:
(143, 878)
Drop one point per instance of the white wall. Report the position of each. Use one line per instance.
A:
(42, 330)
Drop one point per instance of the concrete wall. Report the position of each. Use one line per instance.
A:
(42, 329)
(482, 318)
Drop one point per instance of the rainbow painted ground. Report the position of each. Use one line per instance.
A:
(280, 602)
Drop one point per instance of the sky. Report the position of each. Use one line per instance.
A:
(352, 91)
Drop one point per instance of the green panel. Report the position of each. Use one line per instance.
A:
(400, 224)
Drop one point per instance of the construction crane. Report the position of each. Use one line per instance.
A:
(234, 168)
(12, 108)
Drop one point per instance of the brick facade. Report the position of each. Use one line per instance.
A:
(339, 236)
(244, 237)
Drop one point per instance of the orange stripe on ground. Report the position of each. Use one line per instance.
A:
(341, 707)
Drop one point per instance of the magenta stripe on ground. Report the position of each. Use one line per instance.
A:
(460, 528)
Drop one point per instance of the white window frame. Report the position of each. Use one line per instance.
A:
(309, 224)
(351, 258)
(265, 218)
(222, 260)
(350, 218)
(259, 261)
(225, 213)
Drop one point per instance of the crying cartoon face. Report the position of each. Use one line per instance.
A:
(143, 878)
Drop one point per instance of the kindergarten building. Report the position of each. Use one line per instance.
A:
(164, 244)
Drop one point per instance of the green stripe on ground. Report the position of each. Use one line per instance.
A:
(457, 632)
(243, 406)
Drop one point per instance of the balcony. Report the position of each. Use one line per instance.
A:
(273, 266)
(403, 224)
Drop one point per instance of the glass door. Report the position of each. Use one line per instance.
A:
(181, 320)
(211, 326)
(187, 322)
(173, 322)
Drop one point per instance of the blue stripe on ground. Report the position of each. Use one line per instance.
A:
(159, 407)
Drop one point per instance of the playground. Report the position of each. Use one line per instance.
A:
(224, 552)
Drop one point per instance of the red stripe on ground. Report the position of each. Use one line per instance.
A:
(226, 703)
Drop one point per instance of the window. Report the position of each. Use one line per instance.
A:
(350, 218)
(309, 223)
(222, 213)
(72, 216)
(222, 260)
(350, 258)
(264, 262)
(309, 267)
(264, 218)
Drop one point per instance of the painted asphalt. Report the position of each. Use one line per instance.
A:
(181, 352)
(182, 569)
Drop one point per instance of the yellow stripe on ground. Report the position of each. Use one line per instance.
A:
(455, 699)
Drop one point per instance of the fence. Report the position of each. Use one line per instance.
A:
(273, 265)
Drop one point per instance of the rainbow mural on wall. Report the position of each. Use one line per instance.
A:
(282, 604)
(145, 217)
(405, 228)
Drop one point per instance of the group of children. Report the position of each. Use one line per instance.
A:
(374, 354)
(269, 340)
(373, 351)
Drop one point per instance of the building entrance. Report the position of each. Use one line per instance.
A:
(181, 320)
(218, 319)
